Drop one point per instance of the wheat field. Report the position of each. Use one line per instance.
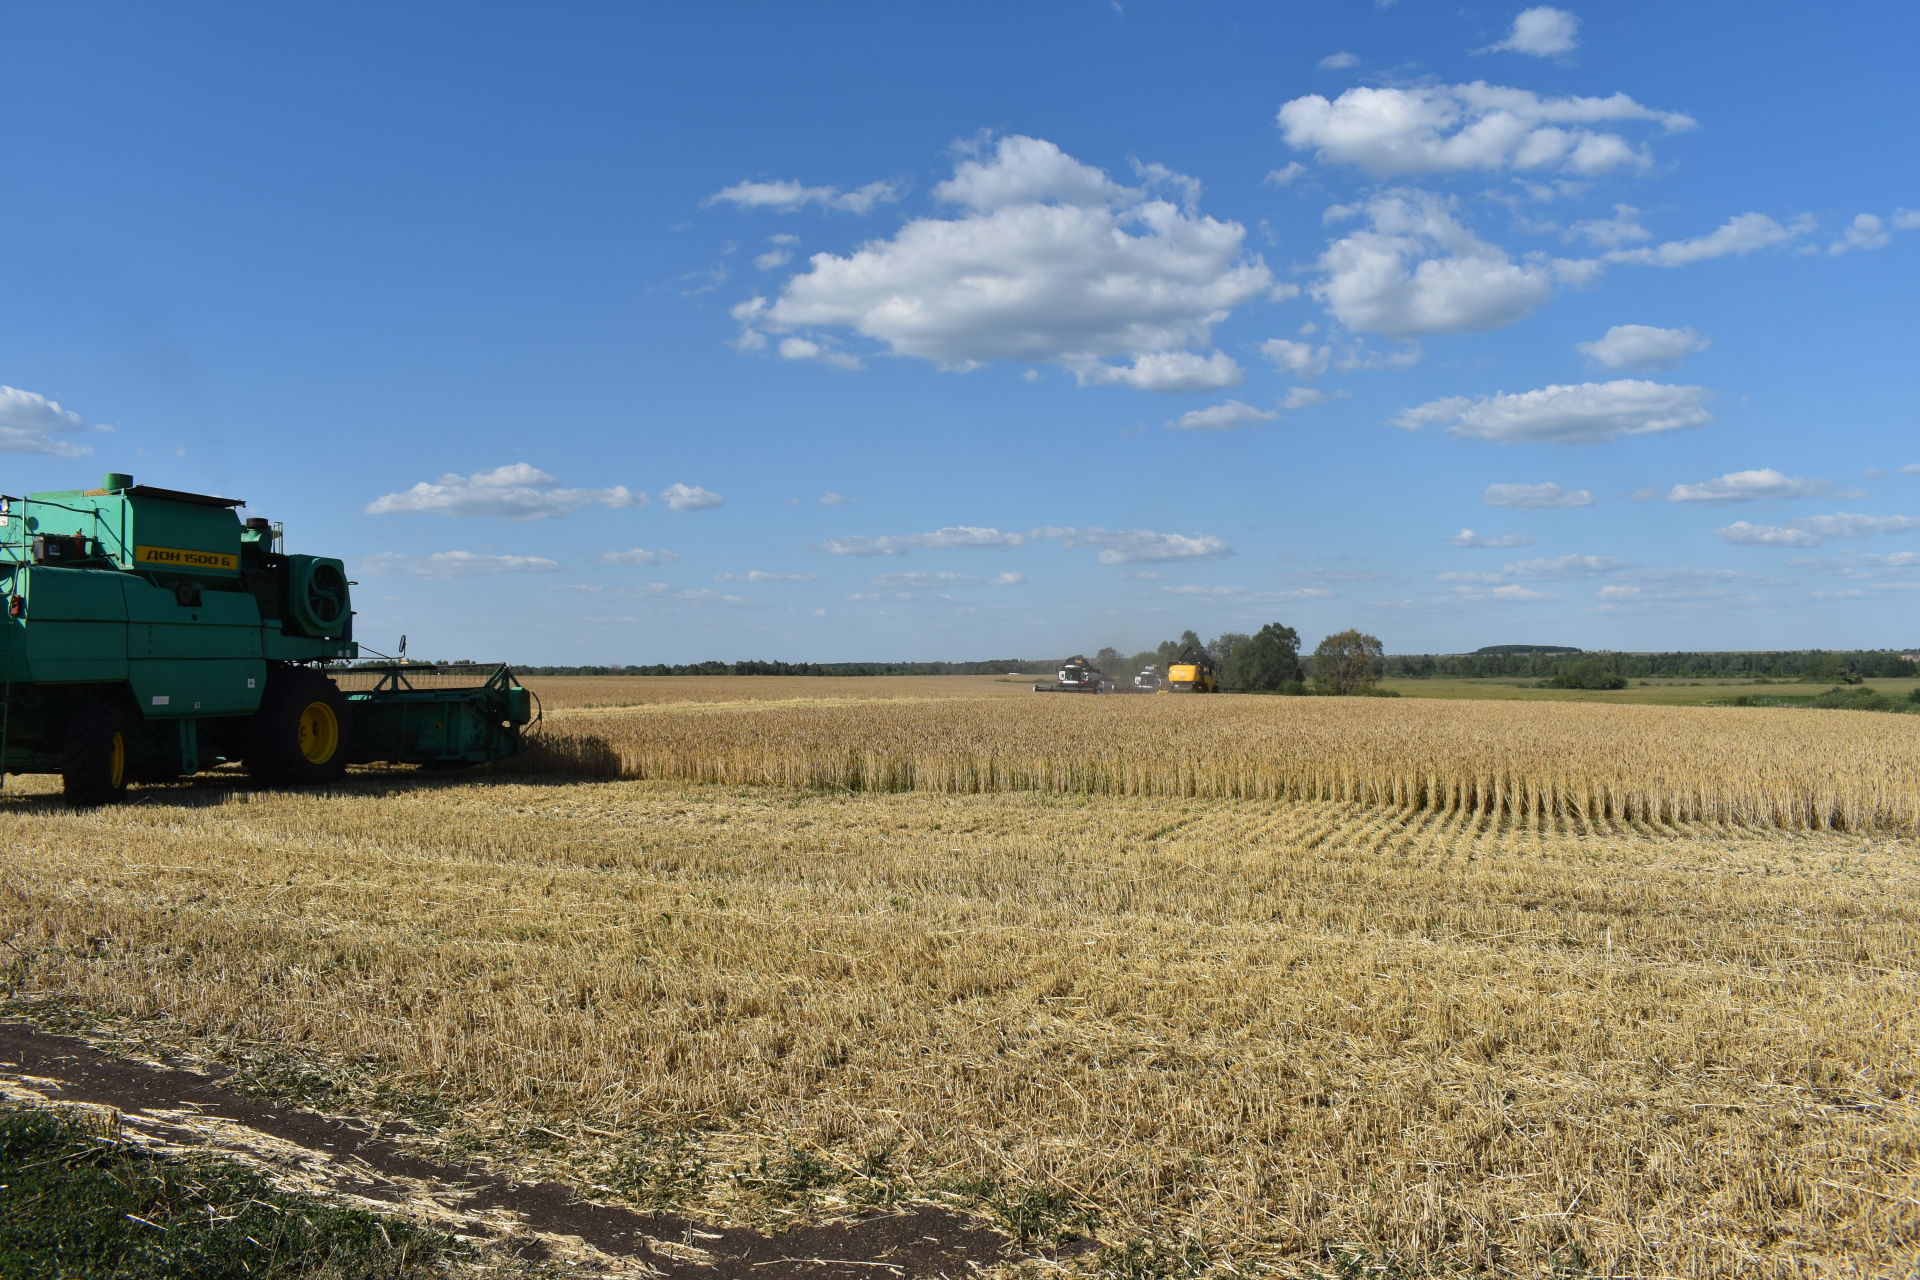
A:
(1262, 1034)
(1857, 771)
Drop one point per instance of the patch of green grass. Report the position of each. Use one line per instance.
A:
(74, 1202)
(1031, 1215)
(1152, 1260)
(315, 1082)
(793, 1179)
(660, 1171)
(1849, 698)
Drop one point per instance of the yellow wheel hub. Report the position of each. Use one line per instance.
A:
(117, 762)
(319, 733)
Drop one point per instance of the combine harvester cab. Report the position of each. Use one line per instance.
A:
(150, 633)
(1077, 675)
(1191, 672)
(1148, 680)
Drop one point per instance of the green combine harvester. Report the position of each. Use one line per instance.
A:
(150, 633)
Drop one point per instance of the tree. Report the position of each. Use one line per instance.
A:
(1169, 651)
(1111, 663)
(1223, 646)
(1588, 673)
(1828, 668)
(1347, 663)
(1267, 661)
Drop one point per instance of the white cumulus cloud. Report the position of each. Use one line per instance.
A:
(1610, 233)
(757, 577)
(1866, 568)
(778, 256)
(1137, 546)
(1301, 359)
(1741, 234)
(1741, 533)
(655, 592)
(1221, 417)
(1869, 231)
(1811, 531)
(1543, 32)
(451, 564)
(689, 497)
(1306, 397)
(1416, 270)
(1534, 497)
(1025, 170)
(787, 196)
(31, 423)
(1643, 346)
(926, 581)
(1562, 567)
(1241, 595)
(807, 349)
(1588, 413)
(1164, 371)
(517, 491)
(1339, 61)
(1116, 546)
(638, 555)
(1468, 538)
(1507, 593)
(1465, 127)
(1050, 261)
(1748, 486)
(954, 537)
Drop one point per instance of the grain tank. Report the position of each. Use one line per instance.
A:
(150, 633)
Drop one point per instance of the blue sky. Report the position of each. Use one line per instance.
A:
(873, 331)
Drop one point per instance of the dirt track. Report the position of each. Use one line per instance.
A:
(173, 1107)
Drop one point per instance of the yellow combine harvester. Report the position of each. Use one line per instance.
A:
(1191, 672)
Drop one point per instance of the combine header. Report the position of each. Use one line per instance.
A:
(151, 633)
(1077, 675)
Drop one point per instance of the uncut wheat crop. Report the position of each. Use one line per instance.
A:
(1792, 769)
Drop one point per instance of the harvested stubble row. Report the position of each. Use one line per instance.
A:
(1289, 1032)
(1762, 767)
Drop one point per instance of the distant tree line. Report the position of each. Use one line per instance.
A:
(1269, 661)
(1544, 663)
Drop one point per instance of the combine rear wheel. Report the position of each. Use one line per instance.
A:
(93, 754)
(300, 731)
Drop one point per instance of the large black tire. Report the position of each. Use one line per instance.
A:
(93, 753)
(301, 730)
